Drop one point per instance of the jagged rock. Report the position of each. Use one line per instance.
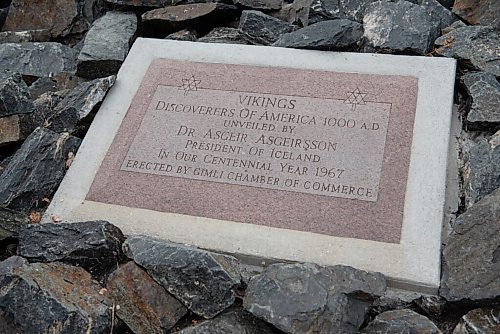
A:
(10, 223)
(45, 105)
(50, 298)
(326, 35)
(183, 35)
(44, 108)
(260, 4)
(442, 16)
(42, 86)
(232, 322)
(144, 305)
(353, 10)
(181, 16)
(3, 16)
(92, 245)
(455, 25)
(433, 306)
(56, 83)
(474, 46)
(484, 91)
(224, 35)
(479, 321)
(145, 3)
(307, 298)
(4, 162)
(106, 45)
(15, 97)
(482, 168)
(79, 105)
(399, 26)
(295, 13)
(36, 169)
(395, 299)
(41, 35)
(15, 128)
(201, 280)
(60, 18)
(401, 321)
(478, 12)
(260, 28)
(36, 59)
(471, 258)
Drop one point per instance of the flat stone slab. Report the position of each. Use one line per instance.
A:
(253, 150)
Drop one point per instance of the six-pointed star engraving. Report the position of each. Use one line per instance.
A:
(190, 84)
(355, 97)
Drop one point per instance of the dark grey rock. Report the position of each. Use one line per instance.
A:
(144, 305)
(455, 25)
(36, 169)
(481, 172)
(232, 322)
(145, 3)
(93, 245)
(471, 256)
(260, 4)
(474, 46)
(440, 15)
(338, 9)
(47, 101)
(190, 15)
(479, 321)
(296, 13)
(44, 108)
(106, 45)
(50, 298)
(433, 306)
(3, 16)
(478, 12)
(259, 28)
(484, 91)
(326, 35)
(307, 298)
(10, 223)
(401, 321)
(42, 86)
(224, 35)
(41, 35)
(183, 35)
(56, 83)
(78, 107)
(201, 280)
(59, 18)
(395, 299)
(15, 97)
(399, 27)
(37, 59)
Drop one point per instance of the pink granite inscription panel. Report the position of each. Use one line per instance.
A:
(292, 143)
(312, 151)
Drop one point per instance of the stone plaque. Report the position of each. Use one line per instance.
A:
(303, 150)
(275, 153)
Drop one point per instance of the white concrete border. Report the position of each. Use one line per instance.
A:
(415, 261)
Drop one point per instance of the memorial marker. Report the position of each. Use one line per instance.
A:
(275, 153)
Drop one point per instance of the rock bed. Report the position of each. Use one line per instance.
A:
(58, 59)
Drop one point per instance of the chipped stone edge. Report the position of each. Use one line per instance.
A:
(414, 263)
